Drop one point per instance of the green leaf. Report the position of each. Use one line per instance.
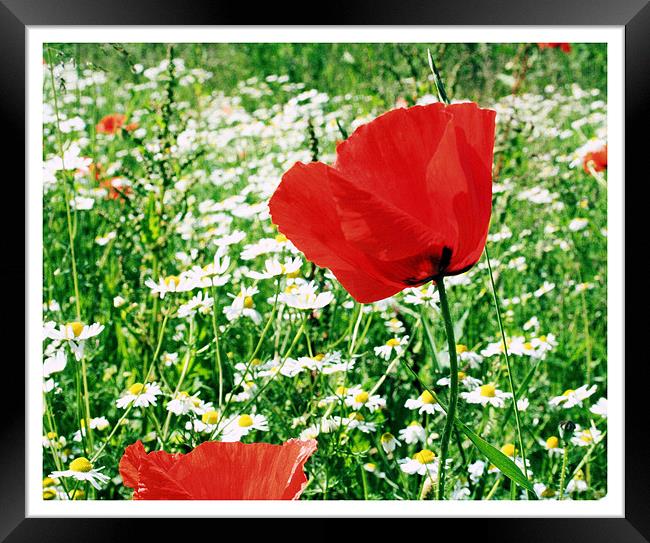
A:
(500, 460)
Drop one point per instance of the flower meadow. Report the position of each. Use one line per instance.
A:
(324, 271)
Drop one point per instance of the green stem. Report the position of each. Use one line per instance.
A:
(217, 349)
(565, 457)
(453, 388)
(511, 381)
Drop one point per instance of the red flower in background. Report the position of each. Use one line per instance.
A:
(407, 201)
(218, 471)
(596, 159)
(113, 123)
(565, 47)
(117, 188)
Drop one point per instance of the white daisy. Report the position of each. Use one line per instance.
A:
(183, 403)
(586, 437)
(171, 283)
(425, 403)
(389, 442)
(486, 394)
(421, 463)
(358, 398)
(600, 408)
(75, 333)
(395, 344)
(140, 395)
(413, 433)
(273, 267)
(82, 470)
(243, 305)
(304, 296)
(570, 397)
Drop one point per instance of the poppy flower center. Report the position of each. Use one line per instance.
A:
(489, 390)
(136, 388)
(210, 417)
(245, 421)
(427, 397)
(81, 465)
(425, 456)
(76, 327)
(552, 442)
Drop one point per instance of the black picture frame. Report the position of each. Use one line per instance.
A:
(16, 15)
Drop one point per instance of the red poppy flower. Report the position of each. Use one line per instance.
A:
(596, 159)
(407, 201)
(110, 124)
(218, 471)
(564, 47)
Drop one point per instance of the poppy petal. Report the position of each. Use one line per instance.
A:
(389, 156)
(376, 226)
(219, 471)
(304, 210)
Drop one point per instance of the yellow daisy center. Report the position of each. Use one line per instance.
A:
(568, 391)
(508, 449)
(172, 280)
(461, 375)
(281, 238)
(245, 421)
(394, 342)
(415, 423)
(136, 388)
(357, 417)
(460, 349)
(49, 494)
(427, 397)
(76, 327)
(425, 456)
(48, 481)
(78, 494)
(489, 390)
(210, 417)
(248, 302)
(81, 464)
(51, 435)
(387, 437)
(552, 442)
(362, 397)
(341, 390)
(319, 357)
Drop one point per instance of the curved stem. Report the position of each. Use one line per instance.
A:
(453, 388)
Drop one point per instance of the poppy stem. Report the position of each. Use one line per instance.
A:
(453, 388)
